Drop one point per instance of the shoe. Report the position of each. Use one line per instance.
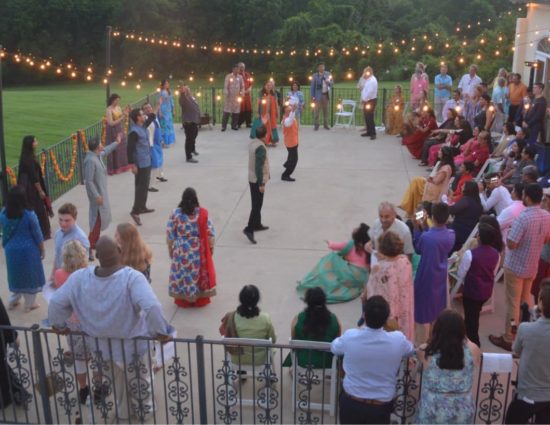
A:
(499, 342)
(31, 308)
(326, 127)
(249, 235)
(147, 210)
(234, 128)
(373, 137)
(423, 164)
(152, 189)
(192, 160)
(162, 179)
(223, 129)
(365, 135)
(195, 153)
(260, 228)
(136, 219)
(288, 179)
(248, 126)
(11, 306)
(83, 394)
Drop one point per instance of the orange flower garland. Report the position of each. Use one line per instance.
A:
(11, 175)
(70, 174)
(83, 141)
(43, 163)
(103, 131)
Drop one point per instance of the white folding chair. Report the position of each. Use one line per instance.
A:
(319, 374)
(482, 170)
(345, 116)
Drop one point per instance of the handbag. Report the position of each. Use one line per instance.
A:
(229, 330)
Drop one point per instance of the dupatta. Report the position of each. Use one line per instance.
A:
(207, 272)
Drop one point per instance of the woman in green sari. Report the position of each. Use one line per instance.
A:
(343, 273)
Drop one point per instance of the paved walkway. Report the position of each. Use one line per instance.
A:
(341, 178)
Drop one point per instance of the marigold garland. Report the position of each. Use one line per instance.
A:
(83, 141)
(43, 163)
(103, 131)
(11, 175)
(70, 174)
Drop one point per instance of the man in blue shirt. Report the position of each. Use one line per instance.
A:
(68, 231)
(442, 92)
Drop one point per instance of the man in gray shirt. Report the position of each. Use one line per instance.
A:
(532, 345)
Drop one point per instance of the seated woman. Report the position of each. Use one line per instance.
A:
(510, 162)
(438, 136)
(391, 278)
(315, 323)
(485, 115)
(467, 147)
(506, 140)
(343, 272)
(430, 189)
(449, 361)
(466, 213)
(394, 112)
(415, 141)
(455, 139)
(248, 322)
(466, 171)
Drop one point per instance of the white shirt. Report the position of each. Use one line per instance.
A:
(371, 361)
(508, 215)
(468, 84)
(466, 263)
(398, 227)
(370, 89)
(499, 199)
(287, 122)
(452, 104)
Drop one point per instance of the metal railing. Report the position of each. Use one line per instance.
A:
(191, 380)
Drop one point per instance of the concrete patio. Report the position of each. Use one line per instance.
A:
(341, 178)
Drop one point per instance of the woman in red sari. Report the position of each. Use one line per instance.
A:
(268, 112)
(415, 141)
(190, 237)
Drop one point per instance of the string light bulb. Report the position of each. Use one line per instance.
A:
(123, 83)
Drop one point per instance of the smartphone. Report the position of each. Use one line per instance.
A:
(494, 180)
(419, 215)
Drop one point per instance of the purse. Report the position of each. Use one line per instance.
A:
(229, 330)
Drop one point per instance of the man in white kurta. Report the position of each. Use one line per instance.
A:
(114, 304)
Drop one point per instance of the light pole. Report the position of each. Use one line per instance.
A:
(4, 176)
(108, 62)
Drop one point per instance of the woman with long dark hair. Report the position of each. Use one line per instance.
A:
(190, 238)
(466, 213)
(342, 273)
(449, 360)
(115, 118)
(31, 179)
(24, 248)
(315, 323)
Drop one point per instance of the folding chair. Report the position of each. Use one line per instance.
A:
(314, 374)
(482, 169)
(346, 111)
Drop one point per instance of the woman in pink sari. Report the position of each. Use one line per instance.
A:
(190, 238)
(420, 85)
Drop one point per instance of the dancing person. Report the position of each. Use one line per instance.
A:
(245, 115)
(315, 323)
(392, 279)
(233, 92)
(139, 156)
(342, 273)
(166, 114)
(31, 179)
(477, 269)
(134, 252)
(258, 176)
(529, 232)
(466, 213)
(449, 361)
(443, 83)
(434, 244)
(290, 136)
(68, 230)
(394, 112)
(268, 113)
(155, 143)
(321, 85)
(369, 387)
(190, 236)
(115, 119)
(95, 179)
(369, 94)
(532, 397)
(113, 301)
(419, 85)
(23, 245)
(296, 92)
(191, 116)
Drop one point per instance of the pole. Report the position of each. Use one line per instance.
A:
(108, 61)
(4, 177)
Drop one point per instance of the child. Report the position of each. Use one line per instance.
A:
(135, 253)
(290, 133)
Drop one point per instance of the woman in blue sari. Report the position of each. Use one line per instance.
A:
(343, 273)
(24, 248)
(166, 114)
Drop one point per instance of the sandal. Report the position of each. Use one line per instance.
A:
(31, 308)
(13, 305)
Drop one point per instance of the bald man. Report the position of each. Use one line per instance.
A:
(113, 302)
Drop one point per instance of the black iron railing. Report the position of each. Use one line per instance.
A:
(193, 380)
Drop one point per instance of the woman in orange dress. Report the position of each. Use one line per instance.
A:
(394, 112)
(268, 112)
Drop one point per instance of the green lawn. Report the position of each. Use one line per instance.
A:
(53, 112)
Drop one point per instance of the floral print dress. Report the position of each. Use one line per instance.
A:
(183, 231)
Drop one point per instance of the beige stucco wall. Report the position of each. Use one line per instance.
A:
(537, 20)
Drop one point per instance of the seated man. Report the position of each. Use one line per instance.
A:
(370, 386)
(516, 174)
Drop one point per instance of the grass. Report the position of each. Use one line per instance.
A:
(53, 112)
